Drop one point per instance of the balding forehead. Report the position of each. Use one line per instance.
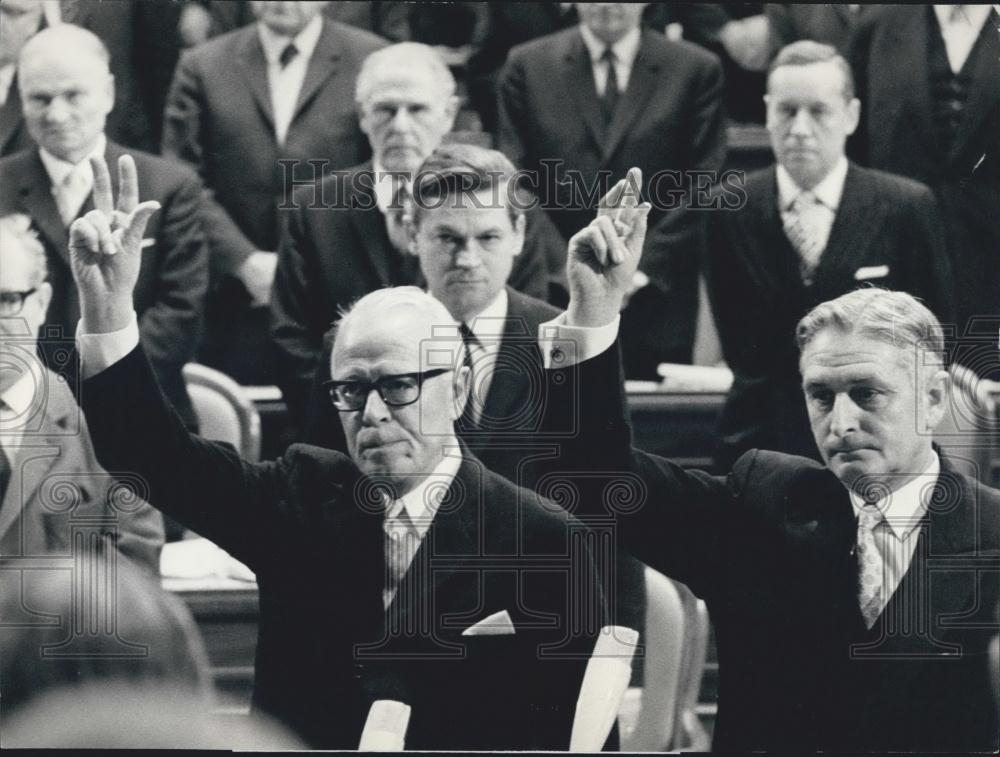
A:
(64, 42)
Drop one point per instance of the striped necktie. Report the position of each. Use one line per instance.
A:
(870, 567)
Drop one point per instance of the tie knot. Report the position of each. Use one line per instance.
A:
(870, 517)
(288, 54)
(608, 56)
(468, 335)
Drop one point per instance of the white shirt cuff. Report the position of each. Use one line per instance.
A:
(100, 351)
(563, 346)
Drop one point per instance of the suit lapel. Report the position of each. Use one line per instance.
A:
(251, 61)
(645, 72)
(27, 476)
(322, 65)
(37, 200)
(369, 226)
(778, 261)
(857, 213)
(984, 94)
(578, 77)
(11, 118)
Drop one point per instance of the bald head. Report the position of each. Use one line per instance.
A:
(67, 90)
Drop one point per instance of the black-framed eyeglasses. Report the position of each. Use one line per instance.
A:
(11, 303)
(395, 391)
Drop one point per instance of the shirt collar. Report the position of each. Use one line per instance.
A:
(973, 16)
(904, 508)
(624, 49)
(421, 503)
(489, 323)
(828, 191)
(58, 169)
(305, 41)
(20, 395)
(387, 183)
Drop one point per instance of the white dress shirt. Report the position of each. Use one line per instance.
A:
(828, 193)
(59, 169)
(18, 405)
(896, 536)
(6, 77)
(285, 82)
(960, 28)
(625, 51)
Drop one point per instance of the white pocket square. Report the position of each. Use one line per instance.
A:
(871, 272)
(497, 624)
(147, 242)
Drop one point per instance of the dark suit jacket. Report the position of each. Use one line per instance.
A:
(218, 118)
(886, 225)
(170, 294)
(890, 64)
(14, 135)
(307, 526)
(830, 23)
(53, 457)
(770, 549)
(670, 117)
(336, 249)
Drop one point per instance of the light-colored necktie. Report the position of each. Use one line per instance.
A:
(871, 570)
(803, 224)
(401, 543)
(70, 194)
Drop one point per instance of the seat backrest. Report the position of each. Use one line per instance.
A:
(225, 413)
(690, 735)
(662, 665)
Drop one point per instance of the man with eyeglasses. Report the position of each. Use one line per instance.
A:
(346, 233)
(407, 571)
(44, 443)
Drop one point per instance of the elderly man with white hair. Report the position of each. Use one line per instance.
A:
(406, 571)
(346, 235)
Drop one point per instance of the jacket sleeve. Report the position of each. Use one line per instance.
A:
(184, 139)
(511, 97)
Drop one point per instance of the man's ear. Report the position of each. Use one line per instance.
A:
(520, 225)
(463, 390)
(854, 115)
(937, 392)
(110, 93)
(451, 110)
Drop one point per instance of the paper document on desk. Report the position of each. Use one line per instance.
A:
(694, 378)
(497, 624)
(200, 558)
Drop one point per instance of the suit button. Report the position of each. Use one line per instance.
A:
(557, 355)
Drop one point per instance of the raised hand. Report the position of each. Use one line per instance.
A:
(603, 257)
(105, 247)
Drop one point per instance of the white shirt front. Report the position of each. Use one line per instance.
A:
(6, 77)
(285, 82)
(625, 51)
(896, 537)
(17, 408)
(960, 28)
(58, 169)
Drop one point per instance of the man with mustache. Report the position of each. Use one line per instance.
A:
(407, 571)
(812, 227)
(854, 602)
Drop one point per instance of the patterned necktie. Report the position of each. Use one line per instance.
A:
(474, 405)
(870, 568)
(288, 54)
(803, 227)
(610, 99)
(401, 543)
(70, 194)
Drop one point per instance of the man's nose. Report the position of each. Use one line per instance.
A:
(57, 109)
(401, 119)
(375, 410)
(468, 255)
(843, 416)
(801, 123)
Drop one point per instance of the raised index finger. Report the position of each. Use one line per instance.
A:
(104, 200)
(128, 184)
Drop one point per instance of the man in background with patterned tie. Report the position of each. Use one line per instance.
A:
(582, 106)
(855, 601)
(281, 89)
(809, 228)
(67, 91)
